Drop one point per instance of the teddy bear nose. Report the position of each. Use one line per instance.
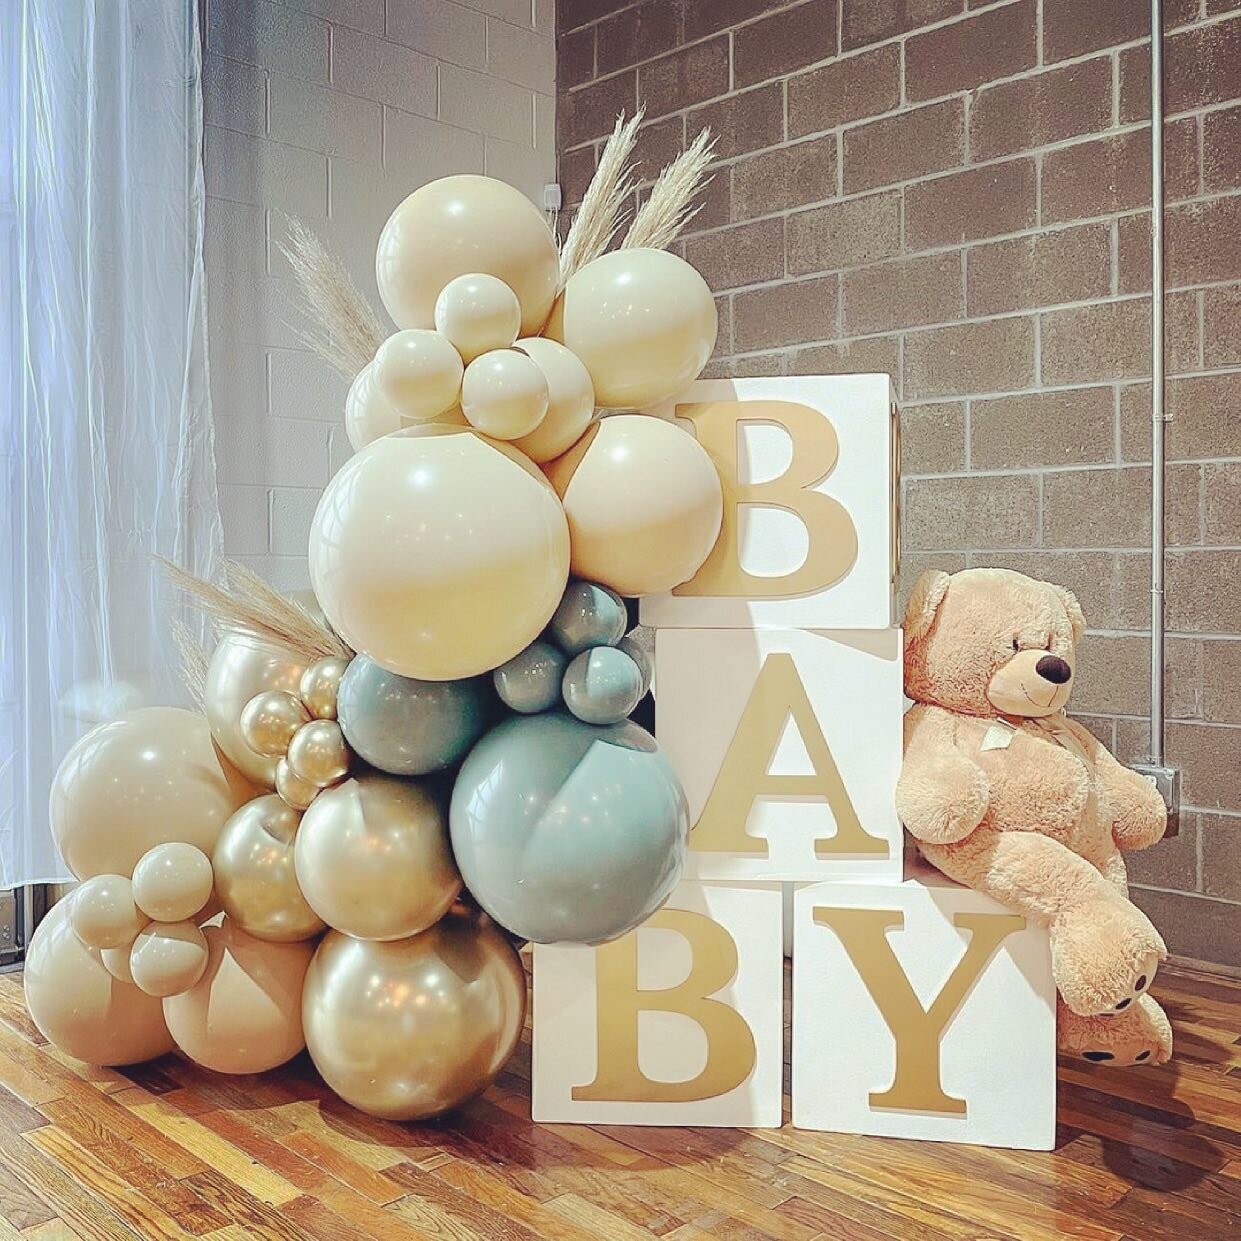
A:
(1054, 669)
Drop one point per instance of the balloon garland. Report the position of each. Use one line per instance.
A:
(393, 784)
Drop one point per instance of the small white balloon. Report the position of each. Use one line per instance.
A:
(368, 413)
(418, 373)
(103, 912)
(172, 882)
(168, 958)
(478, 313)
(505, 394)
(571, 399)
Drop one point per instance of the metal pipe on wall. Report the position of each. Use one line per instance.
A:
(1158, 417)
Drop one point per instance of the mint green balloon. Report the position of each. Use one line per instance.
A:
(588, 615)
(564, 831)
(603, 685)
(530, 681)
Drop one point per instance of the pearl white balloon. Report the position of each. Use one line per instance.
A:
(368, 413)
(504, 394)
(172, 882)
(570, 399)
(168, 958)
(477, 313)
(418, 373)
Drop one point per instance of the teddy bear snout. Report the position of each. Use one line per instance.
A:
(1054, 669)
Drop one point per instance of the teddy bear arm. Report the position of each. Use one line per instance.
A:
(941, 795)
(1139, 816)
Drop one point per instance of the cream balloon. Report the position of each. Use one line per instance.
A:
(103, 912)
(242, 666)
(244, 1015)
(643, 322)
(140, 780)
(168, 958)
(418, 373)
(373, 858)
(87, 1012)
(255, 876)
(294, 791)
(320, 684)
(644, 504)
(270, 720)
(116, 962)
(570, 400)
(439, 553)
(409, 1029)
(477, 313)
(172, 882)
(461, 225)
(318, 753)
(368, 413)
(504, 394)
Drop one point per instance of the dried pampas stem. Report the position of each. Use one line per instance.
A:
(346, 331)
(251, 605)
(599, 216)
(667, 211)
(193, 662)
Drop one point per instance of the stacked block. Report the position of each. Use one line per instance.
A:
(920, 1009)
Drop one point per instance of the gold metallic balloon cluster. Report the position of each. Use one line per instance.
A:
(146, 928)
(300, 732)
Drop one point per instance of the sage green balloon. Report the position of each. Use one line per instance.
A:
(602, 685)
(530, 681)
(408, 727)
(588, 615)
(565, 831)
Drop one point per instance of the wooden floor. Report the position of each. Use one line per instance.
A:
(167, 1150)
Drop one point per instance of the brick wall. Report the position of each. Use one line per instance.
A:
(957, 193)
(333, 111)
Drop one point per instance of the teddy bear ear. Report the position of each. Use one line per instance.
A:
(928, 594)
(1077, 618)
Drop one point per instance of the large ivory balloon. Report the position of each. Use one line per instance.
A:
(409, 1029)
(644, 503)
(244, 1014)
(373, 859)
(438, 552)
(255, 877)
(242, 666)
(643, 321)
(570, 400)
(565, 831)
(457, 226)
(80, 1007)
(138, 781)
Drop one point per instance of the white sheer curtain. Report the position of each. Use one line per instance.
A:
(106, 441)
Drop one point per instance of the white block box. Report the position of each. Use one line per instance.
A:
(677, 1023)
(788, 745)
(810, 468)
(922, 1010)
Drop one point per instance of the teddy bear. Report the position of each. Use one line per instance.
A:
(1004, 793)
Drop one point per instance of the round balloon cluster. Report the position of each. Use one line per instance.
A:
(343, 854)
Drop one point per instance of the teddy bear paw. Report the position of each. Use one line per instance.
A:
(1104, 956)
(1141, 1035)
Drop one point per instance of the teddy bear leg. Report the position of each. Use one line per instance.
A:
(1104, 949)
(1140, 1035)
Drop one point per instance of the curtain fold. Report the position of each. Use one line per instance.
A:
(106, 450)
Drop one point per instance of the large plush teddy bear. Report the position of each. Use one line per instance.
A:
(1007, 795)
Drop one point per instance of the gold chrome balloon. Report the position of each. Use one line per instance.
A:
(88, 1012)
(296, 793)
(643, 322)
(244, 1015)
(146, 777)
(172, 882)
(269, 721)
(373, 858)
(255, 877)
(103, 912)
(570, 400)
(439, 553)
(318, 753)
(644, 503)
(320, 684)
(412, 1028)
(242, 666)
(458, 225)
(168, 958)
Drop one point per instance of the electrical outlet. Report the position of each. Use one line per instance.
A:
(1168, 781)
(551, 197)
